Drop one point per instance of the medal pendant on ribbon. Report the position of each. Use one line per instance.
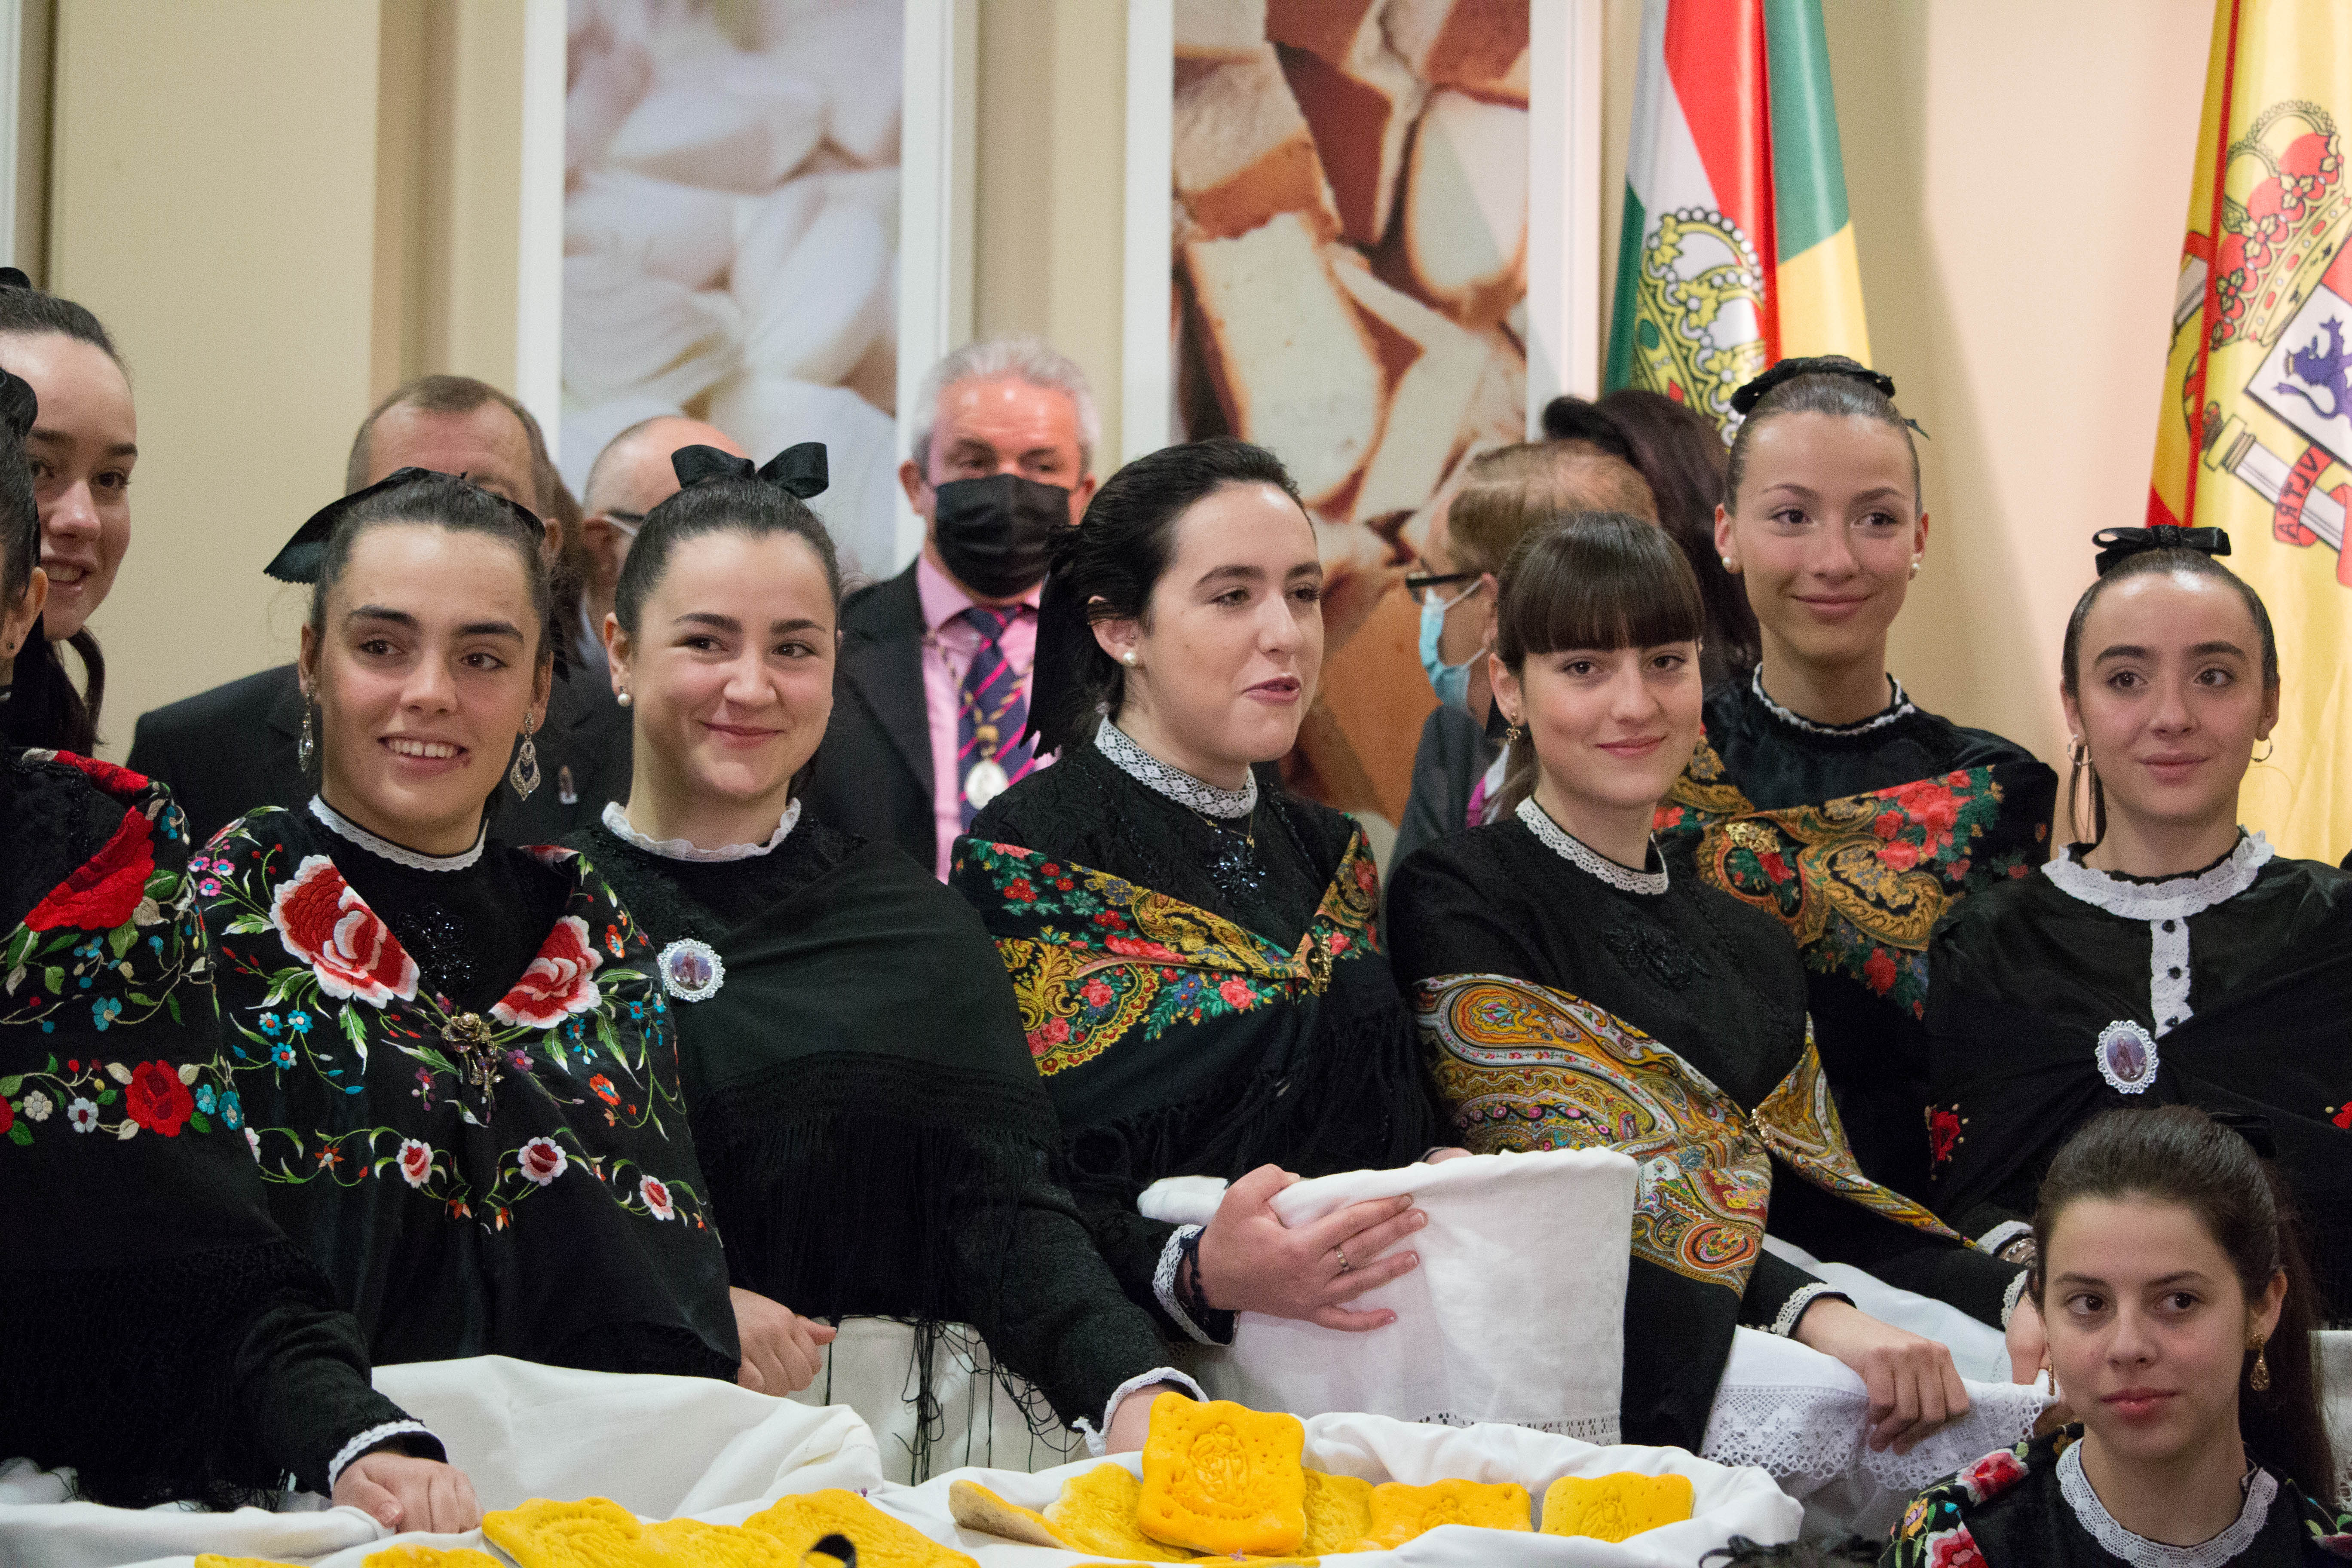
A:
(691, 970)
(985, 781)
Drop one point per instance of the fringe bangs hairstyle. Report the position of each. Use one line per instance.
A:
(2177, 1154)
(1598, 580)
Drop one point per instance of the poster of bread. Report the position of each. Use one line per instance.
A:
(730, 234)
(1350, 181)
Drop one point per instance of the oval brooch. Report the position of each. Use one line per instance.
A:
(691, 970)
(2126, 1055)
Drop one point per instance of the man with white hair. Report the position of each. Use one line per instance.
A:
(931, 691)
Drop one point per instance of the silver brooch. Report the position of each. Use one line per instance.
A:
(691, 970)
(2126, 1056)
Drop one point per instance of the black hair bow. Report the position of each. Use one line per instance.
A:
(2117, 545)
(297, 559)
(1745, 398)
(2254, 1129)
(19, 406)
(14, 277)
(797, 470)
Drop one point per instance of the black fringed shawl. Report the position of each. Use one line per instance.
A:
(1183, 1031)
(161, 1336)
(876, 1138)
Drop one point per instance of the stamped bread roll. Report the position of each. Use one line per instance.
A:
(1466, 218)
(1428, 401)
(1219, 29)
(1359, 101)
(1476, 44)
(1293, 365)
(1243, 152)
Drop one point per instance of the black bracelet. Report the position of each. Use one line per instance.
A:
(1188, 1290)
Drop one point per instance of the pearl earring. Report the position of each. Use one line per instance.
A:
(1728, 564)
(622, 698)
(1127, 658)
(1915, 568)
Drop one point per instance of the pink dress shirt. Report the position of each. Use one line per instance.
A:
(949, 644)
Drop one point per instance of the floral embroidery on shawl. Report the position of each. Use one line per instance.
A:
(573, 1026)
(1861, 880)
(1526, 1067)
(1096, 957)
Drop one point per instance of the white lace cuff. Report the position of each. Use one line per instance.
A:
(1163, 1283)
(1098, 1438)
(1804, 1296)
(366, 1441)
(2010, 1297)
(2001, 1234)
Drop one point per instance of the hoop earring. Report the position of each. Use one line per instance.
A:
(2259, 1379)
(2078, 754)
(307, 748)
(2266, 756)
(524, 774)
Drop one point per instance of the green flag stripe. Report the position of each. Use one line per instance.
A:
(1621, 316)
(1808, 170)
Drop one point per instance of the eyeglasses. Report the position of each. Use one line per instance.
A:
(629, 523)
(1419, 586)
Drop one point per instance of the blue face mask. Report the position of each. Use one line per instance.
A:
(1451, 680)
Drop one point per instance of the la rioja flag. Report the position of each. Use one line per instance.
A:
(1736, 249)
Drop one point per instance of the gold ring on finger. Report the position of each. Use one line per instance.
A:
(1341, 1253)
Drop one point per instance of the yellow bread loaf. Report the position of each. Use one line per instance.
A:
(796, 1524)
(1400, 1512)
(429, 1557)
(1339, 1512)
(690, 1543)
(594, 1533)
(1614, 1507)
(1221, 1477)
(974, 1507)
(1096, 1513)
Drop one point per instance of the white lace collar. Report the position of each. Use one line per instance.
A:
(1573, 851)
(2092, 1514)
(399, 854)
(1898, 707)
(617, 821)
(1174, 782)
(2174, 898)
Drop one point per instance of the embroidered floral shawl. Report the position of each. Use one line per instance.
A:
(522, 1182)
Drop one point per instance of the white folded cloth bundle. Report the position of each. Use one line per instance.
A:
(1515, 1314)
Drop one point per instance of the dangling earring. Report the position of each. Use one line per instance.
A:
(2078, 754)
(2266, 756)
(307, 748)
(2259, 1379)
(1514, 734)
(524, 774)
(623, 699)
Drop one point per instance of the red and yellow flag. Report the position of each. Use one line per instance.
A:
(2256, 430)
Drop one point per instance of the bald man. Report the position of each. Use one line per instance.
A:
(630, 478)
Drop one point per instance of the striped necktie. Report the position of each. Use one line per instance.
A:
(989, 752)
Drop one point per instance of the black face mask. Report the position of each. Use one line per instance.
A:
(996, 535)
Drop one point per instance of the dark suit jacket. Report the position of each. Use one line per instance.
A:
(1454, 752)
(873, 774)
(228, 751)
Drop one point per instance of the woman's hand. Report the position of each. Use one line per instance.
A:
(2029, 1340)
(1251, 1262)
(1131, 1423)
(1914, 1386)
(782, 1352)
(1439, 1156)
(403, 1492)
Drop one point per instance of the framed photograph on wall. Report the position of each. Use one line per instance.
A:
(1366, 235)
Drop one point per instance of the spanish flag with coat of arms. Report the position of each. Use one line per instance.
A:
(2255, 433)
(1736, 250)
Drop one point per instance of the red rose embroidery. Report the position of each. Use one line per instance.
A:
(7, 1116)
(157, 1099)
(543, 1160)
(1129, 947)
(557, 983)
(1992, 1475)
(655, 1193)
(1054, 1032)
(110, 778)
(1943, 1134)
(1899, 855)
(1934, 807)
(416, 1163)
(352, 953)
(2343, 1118)
(1340, 944)
(1887, 823)
(1020, 891)
(1097, 995)
(1775, 866)
(1236, 993)
(103, 893)
(1879, 970)
(1954, 1547)
(1368, 879)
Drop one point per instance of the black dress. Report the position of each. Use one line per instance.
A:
(463, 1079)
(1569, 1002)
(876, 1136)
(1200, 999)
(1856, 837)
(2076, 990)
(162, 1336)
(2032, 1506)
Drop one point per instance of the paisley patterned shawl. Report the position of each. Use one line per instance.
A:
(1097, 959)
(1861, 880)
(1528, 1067)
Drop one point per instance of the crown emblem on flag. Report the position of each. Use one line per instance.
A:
(1699, 332)
(2285, 210)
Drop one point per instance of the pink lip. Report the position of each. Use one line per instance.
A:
(431, 766)
(1283, 688)
(2173, 767)
(742, 734)
(2137, 1404)
(1832, 607)
(1630, 749)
